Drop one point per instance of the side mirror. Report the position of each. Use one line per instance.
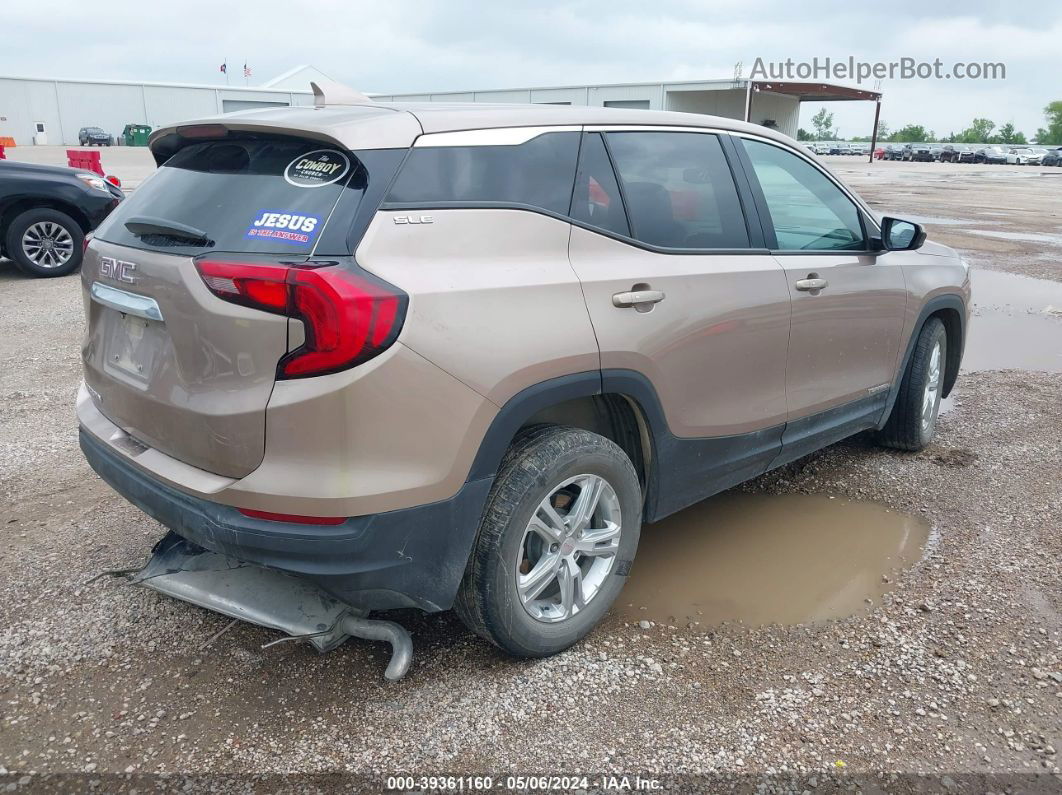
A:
(898, 235)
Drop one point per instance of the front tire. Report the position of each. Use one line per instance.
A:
(913, 420)
(555, 544)
(45, 242)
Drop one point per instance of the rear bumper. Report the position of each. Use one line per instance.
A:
(406, 558)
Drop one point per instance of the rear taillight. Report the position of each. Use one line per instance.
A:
(349, 316)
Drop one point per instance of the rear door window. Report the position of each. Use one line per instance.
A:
(679, 190)
(596, 200)
(254, 195)
(536, 173)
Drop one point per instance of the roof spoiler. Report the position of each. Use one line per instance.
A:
(337, 94)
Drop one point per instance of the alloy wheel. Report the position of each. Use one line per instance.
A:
(48, 244)
(929, 396)
(568, 548)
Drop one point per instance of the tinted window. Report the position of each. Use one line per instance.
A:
(678, 189)
(596, 199)
(538, 172)
(254, 195)
(808, 211)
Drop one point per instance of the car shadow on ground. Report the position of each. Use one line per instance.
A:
(9, 272)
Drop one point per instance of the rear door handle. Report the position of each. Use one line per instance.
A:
(637, 298)
(812, 284)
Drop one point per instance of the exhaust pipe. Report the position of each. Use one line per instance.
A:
(268, 598)
(401, 644)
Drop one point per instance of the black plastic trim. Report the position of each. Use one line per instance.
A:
(808, 434)
(682, 470)
(933, 305)
(687, 470)
(406, 558)
(746, 195)
(520, 408)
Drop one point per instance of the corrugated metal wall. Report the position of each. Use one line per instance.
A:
(66, 106)
(717, 100)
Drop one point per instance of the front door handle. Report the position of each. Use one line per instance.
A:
(638, 298)
(812, 284)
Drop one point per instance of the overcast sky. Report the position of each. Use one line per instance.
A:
(461, 44)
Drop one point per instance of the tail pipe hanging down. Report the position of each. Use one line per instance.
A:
(268, 598)
(401, 645)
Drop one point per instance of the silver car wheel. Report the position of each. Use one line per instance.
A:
(929, 397)
(48, 244)
(568, 548)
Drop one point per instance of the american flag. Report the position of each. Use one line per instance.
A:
(246, 70)
(225, 68)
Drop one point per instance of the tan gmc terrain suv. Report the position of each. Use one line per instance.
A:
(435, 356)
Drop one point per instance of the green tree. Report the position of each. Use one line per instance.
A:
(883, 130)
(912, 133)
(1008, 135)
(979, 132)
(1052, 134)
(804, 135)
(823, 124)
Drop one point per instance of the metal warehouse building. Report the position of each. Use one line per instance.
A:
(52, 111)
(769, 103)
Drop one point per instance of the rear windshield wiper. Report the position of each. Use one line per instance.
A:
(145, 225)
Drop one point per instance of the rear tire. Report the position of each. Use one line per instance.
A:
(25, 242)
(913, 420)
(533, 523)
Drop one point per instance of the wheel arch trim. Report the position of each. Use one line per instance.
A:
(629, 384)
(953, 308)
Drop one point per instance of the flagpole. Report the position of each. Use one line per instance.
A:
(226, 70)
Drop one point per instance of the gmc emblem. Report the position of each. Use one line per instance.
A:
(119, 270)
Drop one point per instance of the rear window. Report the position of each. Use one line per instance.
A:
(255, 195)
(537, 173)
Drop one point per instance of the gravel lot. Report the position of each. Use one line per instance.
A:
(956, 671)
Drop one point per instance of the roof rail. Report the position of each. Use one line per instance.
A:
(338, 94)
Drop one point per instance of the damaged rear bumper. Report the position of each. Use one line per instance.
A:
(406, 558)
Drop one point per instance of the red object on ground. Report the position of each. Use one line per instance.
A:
(87, 161)
(113, 180)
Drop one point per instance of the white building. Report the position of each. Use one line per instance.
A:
(770, 103)
(52, 111)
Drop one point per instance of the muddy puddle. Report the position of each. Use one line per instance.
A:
(1016, 323)
(769, 559)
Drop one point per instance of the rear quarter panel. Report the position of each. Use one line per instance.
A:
(493, 299)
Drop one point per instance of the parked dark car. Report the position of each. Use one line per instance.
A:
(935, 152)
(1052, 158)
(948, 154)
(967, 154)
(894, 152)
(917, 152)
(990, 154)
(94, 136)
(45, 213)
